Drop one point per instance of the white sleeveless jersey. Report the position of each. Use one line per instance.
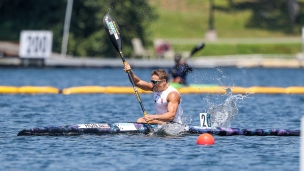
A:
(161, 104)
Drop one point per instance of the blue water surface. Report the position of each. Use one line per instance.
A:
(142, 152)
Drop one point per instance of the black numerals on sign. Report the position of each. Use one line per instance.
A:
(36, 44)
(206, 120)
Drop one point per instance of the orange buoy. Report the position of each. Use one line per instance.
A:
(205, 139)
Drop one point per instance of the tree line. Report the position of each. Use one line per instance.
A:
(282, 15)
(88, 38)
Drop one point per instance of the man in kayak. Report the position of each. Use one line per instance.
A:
(179, 71)
(167, 99)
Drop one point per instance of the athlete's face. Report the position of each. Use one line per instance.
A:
(156, 82)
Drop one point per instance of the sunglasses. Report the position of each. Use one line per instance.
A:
(154, 82)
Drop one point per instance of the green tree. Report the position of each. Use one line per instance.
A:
(87, 35)
(276, 15)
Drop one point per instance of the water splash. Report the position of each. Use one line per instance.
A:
(223, 114)
(186, 119)
(171, 129)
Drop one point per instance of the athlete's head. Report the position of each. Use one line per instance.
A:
(160, 73)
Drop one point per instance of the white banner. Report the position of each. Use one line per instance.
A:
(35, 44)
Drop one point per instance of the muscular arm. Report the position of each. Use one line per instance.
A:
(173, 99)
(137, 81)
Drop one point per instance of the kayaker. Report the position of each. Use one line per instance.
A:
(179, 71)
(166, 98)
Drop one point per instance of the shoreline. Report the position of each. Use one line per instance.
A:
(239, 61)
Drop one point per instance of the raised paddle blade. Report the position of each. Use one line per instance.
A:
(113, 31)
(197, 48)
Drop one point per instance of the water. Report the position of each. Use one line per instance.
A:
(222, 115)
(131, 152)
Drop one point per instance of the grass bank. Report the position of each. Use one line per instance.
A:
(234, 49)
(187, 20)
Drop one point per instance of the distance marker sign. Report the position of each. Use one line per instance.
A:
(35, 44)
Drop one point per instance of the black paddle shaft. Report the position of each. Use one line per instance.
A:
(113, 32)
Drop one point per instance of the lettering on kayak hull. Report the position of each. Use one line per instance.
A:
(94, 125)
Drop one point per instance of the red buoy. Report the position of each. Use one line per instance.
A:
(205, 139)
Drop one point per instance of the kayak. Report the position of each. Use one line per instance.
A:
(143, 128)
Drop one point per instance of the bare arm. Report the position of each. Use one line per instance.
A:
(137, 81)
(173, 101)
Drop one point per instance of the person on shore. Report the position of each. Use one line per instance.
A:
(167, 99)
(179, 71)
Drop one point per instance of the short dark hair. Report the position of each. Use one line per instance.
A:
(161, 74)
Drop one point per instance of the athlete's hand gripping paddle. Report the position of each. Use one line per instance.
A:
(113, 32)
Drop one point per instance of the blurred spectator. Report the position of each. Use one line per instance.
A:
(161, 47)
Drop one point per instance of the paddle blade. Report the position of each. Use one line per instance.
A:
(197, 48)
(113, 31)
